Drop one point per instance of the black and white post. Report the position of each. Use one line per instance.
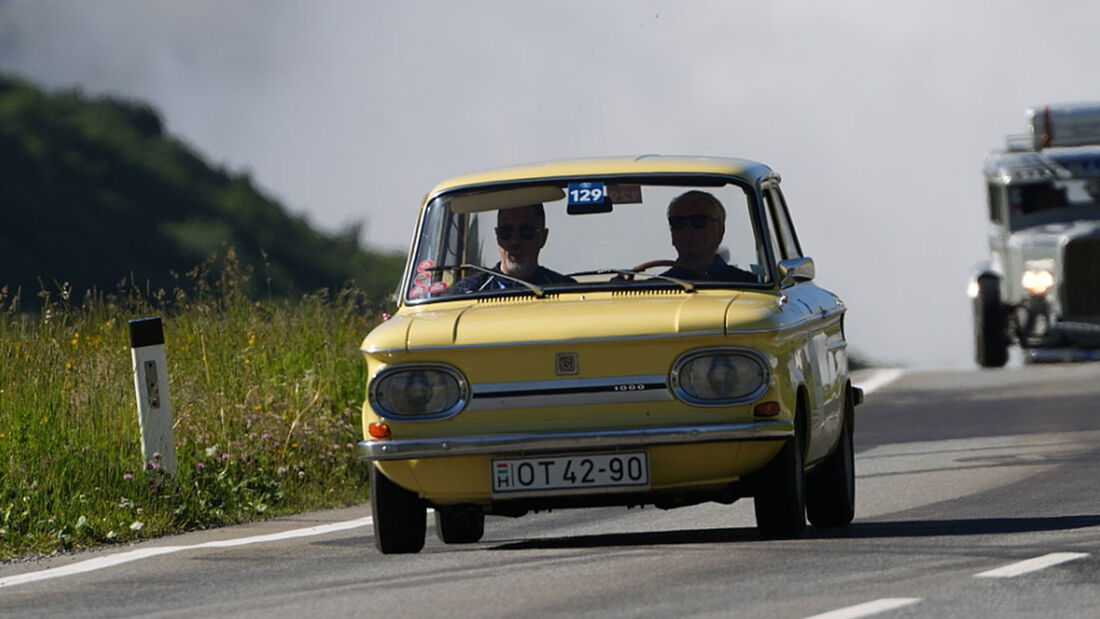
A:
(151, 384)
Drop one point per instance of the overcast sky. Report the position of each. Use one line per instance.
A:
(877, 114)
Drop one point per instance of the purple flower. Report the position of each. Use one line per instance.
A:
(200, 466)
(156, 455)
(127, 476)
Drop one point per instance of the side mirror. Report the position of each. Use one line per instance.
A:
(794, 270)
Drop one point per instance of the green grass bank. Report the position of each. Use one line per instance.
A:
(265, 396)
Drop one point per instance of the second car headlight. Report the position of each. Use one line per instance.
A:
(420, 391)
(1037, 281)
(719, 377)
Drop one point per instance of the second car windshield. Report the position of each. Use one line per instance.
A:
(587, 234)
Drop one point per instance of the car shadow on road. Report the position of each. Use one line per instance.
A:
(856, 530)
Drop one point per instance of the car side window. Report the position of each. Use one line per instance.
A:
(996, 203)
(780, 222)
(772, 234)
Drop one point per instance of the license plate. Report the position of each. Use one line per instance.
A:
(628, 469)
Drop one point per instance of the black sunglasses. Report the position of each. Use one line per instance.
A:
(680, 222)
(526, 233)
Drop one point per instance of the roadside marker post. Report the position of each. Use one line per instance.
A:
(151, 385)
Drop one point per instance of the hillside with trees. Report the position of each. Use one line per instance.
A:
(94, 193)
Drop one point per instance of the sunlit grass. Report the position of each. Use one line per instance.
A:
(265, 397)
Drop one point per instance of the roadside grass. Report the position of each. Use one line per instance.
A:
(265, 396)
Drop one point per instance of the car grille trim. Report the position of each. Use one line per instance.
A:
(569, 392)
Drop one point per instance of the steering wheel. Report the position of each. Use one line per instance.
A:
(644, 267)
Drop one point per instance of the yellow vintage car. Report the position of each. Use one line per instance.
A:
(603, 332)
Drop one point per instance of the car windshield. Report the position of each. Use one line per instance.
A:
(1037, 197)
(582, 234)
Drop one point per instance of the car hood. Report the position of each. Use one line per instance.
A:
(578, 317)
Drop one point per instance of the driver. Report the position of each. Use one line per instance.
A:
(697, 221)
(521, 234)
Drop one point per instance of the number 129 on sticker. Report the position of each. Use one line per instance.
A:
(586, 193)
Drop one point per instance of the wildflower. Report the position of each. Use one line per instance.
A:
(127, 476)
(137, 525)
(265, 437)
(156, 455)
(281, 471)
(253, 436)
(200, 466)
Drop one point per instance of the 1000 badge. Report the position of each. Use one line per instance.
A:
(629, 470)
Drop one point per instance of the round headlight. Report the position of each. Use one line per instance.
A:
(418, 391)
(719, 377)
(1037, 281)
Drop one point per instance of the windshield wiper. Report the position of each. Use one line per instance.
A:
(539, 292)
(630, 273)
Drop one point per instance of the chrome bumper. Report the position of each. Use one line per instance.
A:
(570, 441)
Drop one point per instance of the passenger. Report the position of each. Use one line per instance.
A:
(697, 222)
(521, 234)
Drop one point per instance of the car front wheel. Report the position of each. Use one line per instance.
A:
(400, 516)
(831, 487)
(990, 329)
(780, 497)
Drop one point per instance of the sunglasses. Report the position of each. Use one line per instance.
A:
(526, 233)
(680, 222)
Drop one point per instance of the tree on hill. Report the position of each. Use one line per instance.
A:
(93, 192)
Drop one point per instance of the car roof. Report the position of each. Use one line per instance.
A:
(744, 169)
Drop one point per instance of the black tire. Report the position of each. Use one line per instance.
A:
(990, 328)
(459, 525)
(780, 493)
(831, 487)
(400, 516)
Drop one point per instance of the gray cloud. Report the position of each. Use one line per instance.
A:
(878, 115)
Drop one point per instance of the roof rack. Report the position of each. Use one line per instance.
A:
(1064, 124)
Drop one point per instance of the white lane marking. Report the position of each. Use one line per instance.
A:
(1032, 565)
(100, 563)
(867, 608)
(879, 379)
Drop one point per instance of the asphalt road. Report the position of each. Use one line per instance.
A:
(978, 496)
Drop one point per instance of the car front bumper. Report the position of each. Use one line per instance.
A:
(545, 442)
